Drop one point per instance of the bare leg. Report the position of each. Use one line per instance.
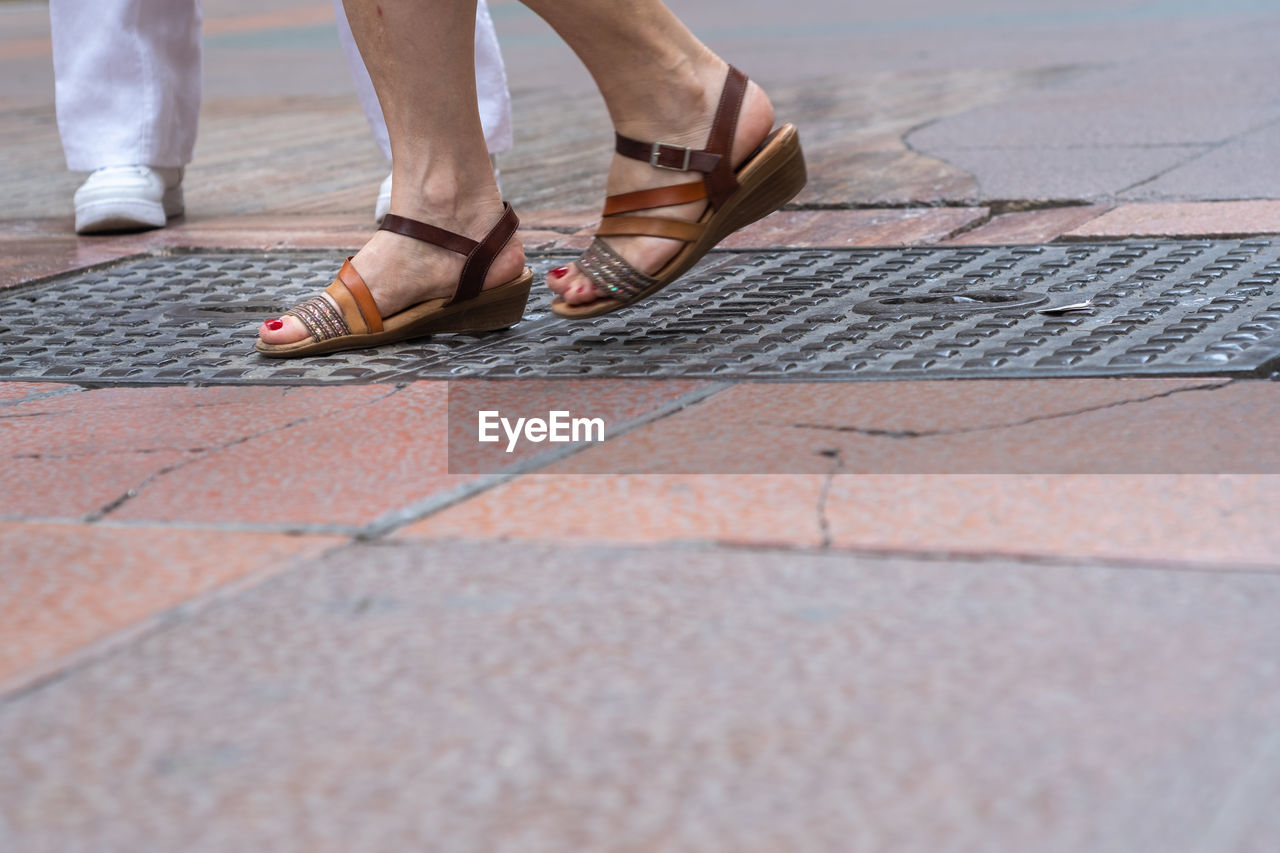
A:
(441, 168)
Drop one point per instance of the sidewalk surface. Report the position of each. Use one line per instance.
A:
(1011, 614)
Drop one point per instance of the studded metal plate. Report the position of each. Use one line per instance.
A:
(1159, 308)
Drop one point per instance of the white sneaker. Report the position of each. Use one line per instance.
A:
(128, 198)
(383, 205)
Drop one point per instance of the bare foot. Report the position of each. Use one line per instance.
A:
(402, 272)
(691, 129)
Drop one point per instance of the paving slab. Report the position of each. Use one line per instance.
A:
(27, 258)
(347, 464)
(77, 488)
(841, 228)
(346, 468)
(262, 232)
(763, 510)
(1083, 173)
(922, 467)
(1242, 168)
(1192, 520)
(80, 455)
(1173, 219)
(180, 418)
(1176, 520)
(69, 590)
(1029, 226)
(12, 393)
(1082, 426)
(1137, 124)
(539, 698)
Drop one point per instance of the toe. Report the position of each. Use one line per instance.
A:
(578, 289)
(558, 278)
(282, 330)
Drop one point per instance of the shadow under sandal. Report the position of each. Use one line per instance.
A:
(770, 177)
(346, 317)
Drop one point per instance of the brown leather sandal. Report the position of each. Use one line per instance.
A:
(773, 175)
(346, 317)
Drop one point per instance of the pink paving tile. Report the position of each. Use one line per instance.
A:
(1191, 518)
(762, 510)
(340, 232)
(72, 455)
(15, 392)
(1222, 517)
(949, 427)
(838, 228)
(74, 487)
(28, 259)
(1190, 219)
(174, 418)
(1224, 430)
(349, 467)
(65, 587)
(346, 467)
(1030, 226)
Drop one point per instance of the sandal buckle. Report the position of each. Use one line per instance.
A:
(659, 148)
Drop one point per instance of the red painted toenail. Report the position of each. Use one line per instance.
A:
(560, 272)
(275, 325)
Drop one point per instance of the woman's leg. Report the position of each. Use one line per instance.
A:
(420, 56)
(491, 83)
(660, 84)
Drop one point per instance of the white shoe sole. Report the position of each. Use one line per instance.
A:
(127, 214)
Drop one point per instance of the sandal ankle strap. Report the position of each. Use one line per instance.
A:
(479, 254)
(714, 161)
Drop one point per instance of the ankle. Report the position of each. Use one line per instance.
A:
(682, 113)
(456, 200)
(676, 105)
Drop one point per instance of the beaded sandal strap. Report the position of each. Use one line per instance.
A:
(611, 273)
(320, 318)
(346, 306)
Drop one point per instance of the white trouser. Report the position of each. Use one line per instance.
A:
(127, 81)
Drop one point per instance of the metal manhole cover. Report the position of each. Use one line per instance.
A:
(1159, 308)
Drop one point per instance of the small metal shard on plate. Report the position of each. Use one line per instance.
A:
(1087, 305)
